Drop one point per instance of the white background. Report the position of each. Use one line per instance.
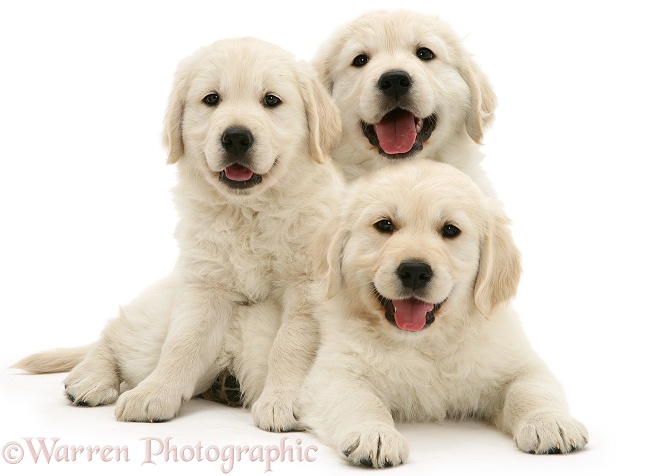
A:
(87, 218)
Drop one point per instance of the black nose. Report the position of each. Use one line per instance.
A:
(237, 140)
(395, 83)
(414, 274)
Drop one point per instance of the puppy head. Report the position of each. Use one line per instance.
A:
(415, 243)
(243, 112)
(405, 85)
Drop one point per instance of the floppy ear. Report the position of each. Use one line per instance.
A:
(499, 266)
(322, 65)
(323, 117)
(482, 98)
(172, 136)
(329, 247)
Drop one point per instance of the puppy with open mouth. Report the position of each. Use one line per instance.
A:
(250, 130)
(406, 88)
(418, 265)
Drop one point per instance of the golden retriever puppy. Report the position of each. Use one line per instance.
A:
(418, 265)
(250, 130)
(405, 87)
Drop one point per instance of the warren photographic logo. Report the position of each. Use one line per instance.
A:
(156, 450)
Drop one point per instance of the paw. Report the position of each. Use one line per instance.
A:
(148, 402)
(375, 446)
(549, 433)
(89, 389)
(274, 412)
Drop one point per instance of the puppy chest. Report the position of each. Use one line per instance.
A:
(247, 272)
(418, 390)
(251, 269)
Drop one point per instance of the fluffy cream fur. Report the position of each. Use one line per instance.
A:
(450, 86)
(244, 266)
(474, 360)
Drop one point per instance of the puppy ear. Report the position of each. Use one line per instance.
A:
(483, 100)
(499, 266)
(172, 136)
(329, 247)
(323, 117)
(322, 66)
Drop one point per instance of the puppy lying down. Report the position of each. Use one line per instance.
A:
(418, 266)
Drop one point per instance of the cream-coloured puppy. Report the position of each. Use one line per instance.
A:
(406, 87)
(418, 266)
(250, 130)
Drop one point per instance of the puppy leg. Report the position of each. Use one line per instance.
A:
(535, 413)
(127, 350)
(290, 359)
(95, 380)
(347, 415)
(252, 336)
(194, 341)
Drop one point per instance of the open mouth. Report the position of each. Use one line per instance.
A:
(400, 134)
(239, 176)
(409, 314)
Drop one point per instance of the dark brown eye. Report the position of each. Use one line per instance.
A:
(271, 100)
(360, 60)
(385, 226)
(425, 54)
(450, 231)
(211, 99)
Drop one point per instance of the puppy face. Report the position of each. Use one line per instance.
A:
(415, 243)
(243, 113)
(404, 84)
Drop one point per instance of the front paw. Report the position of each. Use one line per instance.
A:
(375, 446)
(148, 402)
(549, 433)
(274, 412)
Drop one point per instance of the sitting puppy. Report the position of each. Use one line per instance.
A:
(406, 87)
(250, 130)
(418, 264)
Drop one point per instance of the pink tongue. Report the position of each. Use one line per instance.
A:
(238, 172)
(410, 314)
(396, 132)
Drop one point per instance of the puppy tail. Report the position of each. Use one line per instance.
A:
(53, 361)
